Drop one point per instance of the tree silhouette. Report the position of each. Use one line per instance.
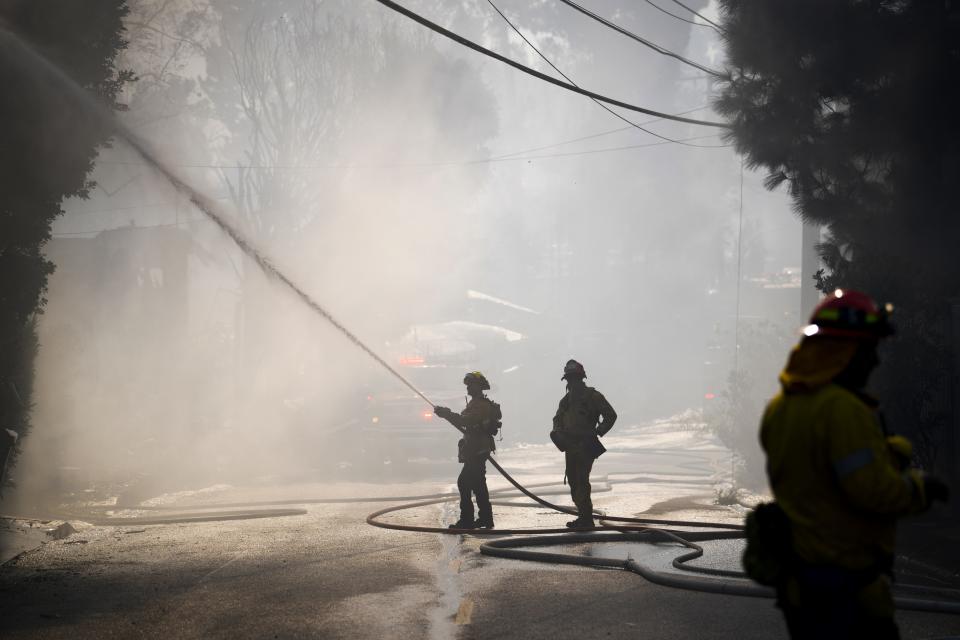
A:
(851, 105)
(48, 152)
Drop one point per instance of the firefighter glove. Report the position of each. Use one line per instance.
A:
(443, 412)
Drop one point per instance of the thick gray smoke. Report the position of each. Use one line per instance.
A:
(423, 197)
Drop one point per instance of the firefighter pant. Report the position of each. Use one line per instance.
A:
(579, 464)
(473, 479)
(829, 603)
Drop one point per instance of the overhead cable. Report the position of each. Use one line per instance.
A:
(497, 158)
(129, 227)
(680, 18)
(570, 80)
(699, 15)
(623, 148)
(421, 165)
(643, 41)
(596, 135)
(542, 76)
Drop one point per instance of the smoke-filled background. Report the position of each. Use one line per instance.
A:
(453, 213)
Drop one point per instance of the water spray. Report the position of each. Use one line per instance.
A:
(10, 40)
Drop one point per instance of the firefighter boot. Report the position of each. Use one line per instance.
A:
(463, 524)
(582, 522)
(485, 520)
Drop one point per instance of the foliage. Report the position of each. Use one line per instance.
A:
(736, 426)
(167, 42)
(48, 151)
(851, 104)
(303, 91)
(736, 422)
(282, 80)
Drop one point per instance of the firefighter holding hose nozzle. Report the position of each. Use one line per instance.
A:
(583, 416)
(478, 422)
(839, 480)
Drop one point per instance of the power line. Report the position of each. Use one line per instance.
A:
(596, 135)
(478, 161)
(699, 15)
(542, 76)
(567, 154)
(643, 41)
(625, 148)
(75, 212)
(570, 80)
(498, 158)
(681, 19)
(132, 227)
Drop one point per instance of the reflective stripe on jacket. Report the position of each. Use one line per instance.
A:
(834, 476)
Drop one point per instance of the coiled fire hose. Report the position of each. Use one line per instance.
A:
(642, 530)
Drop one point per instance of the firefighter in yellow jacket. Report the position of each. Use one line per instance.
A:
(478, 422)
(840, 480)
(582, 417)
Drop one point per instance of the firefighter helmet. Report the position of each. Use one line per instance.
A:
(850, 314)
(573, 369)
(475, 377)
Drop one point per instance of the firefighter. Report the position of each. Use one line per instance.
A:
(577, 427)
(479, 422)
(840, 481)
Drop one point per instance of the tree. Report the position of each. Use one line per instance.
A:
(167, 43)
(281, 82)
(300, 87)
(49, 151)
(851, 104)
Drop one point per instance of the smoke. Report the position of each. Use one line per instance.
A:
(170, 353)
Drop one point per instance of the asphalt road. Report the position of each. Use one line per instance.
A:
(326, 574)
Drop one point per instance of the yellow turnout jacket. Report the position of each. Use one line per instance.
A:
(834, 475)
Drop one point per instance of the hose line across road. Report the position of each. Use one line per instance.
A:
(638, 530)
(519, 543)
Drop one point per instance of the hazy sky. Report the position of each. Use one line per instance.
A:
(395, 203)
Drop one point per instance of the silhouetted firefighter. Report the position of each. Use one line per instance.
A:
(577, 428)
(479, 422)
(839, 480)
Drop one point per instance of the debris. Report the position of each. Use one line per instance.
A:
(464, 612)
(727, 494)
(61, 531)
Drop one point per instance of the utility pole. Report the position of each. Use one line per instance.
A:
(809, 265)
(953, 439)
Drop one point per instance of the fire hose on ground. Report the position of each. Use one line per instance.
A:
(643, 530)
(611, 529)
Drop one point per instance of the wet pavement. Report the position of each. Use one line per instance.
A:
(324, 573)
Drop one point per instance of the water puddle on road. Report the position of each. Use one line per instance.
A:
(452, 609)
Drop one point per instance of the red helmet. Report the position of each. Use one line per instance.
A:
(850, 314)
(573, 369)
